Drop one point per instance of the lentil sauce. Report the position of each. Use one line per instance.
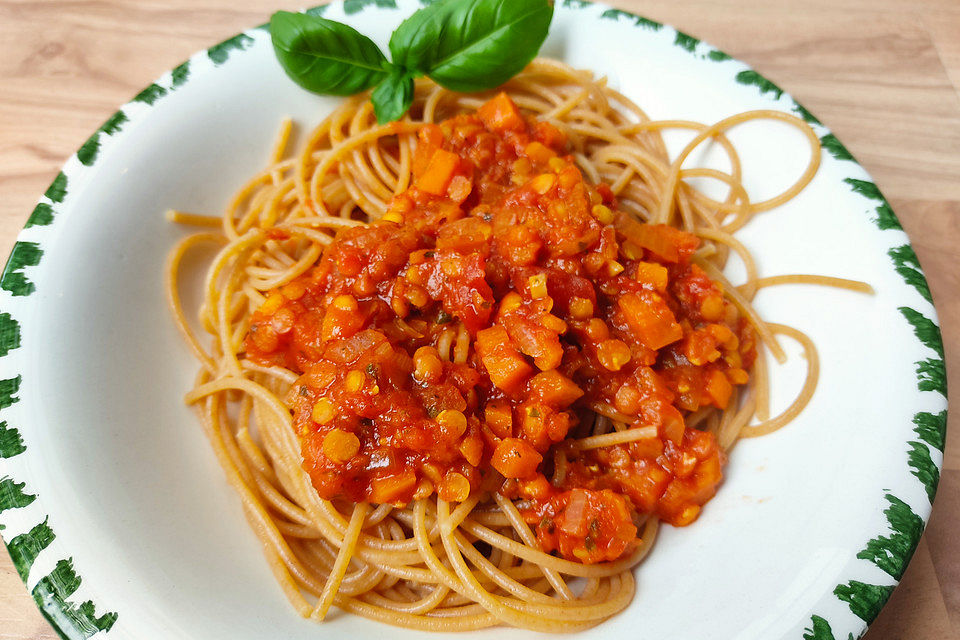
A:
(569, 306)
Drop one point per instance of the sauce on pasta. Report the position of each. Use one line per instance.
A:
(570, 305)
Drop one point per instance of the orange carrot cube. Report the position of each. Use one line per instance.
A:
(650, 318)
(539, 153)
(719, 388)
(555, 389)
(663, 241)
(652, 274)
(439, 172)
(397, 488)
(499, 417)
(501, 114)
(515, 458)
(503, 362)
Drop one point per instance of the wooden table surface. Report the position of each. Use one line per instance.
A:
(883, 74)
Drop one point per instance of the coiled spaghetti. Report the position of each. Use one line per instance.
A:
(434, 565)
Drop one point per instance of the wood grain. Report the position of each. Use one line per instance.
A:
(883, 74)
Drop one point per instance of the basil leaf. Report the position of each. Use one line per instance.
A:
(393, 96)
(325, 56)
(471, 45)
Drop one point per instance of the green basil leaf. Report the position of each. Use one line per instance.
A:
(393, 96)
(325, 56)
(471, 45)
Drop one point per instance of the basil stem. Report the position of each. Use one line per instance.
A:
(392, 97)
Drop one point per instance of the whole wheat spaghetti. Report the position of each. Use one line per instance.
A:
(440, 543)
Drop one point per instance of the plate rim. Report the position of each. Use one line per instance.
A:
(74, 621)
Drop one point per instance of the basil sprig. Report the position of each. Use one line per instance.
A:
(463, 45)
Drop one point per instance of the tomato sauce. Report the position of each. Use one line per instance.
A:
(461, 340)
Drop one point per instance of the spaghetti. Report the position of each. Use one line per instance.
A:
(464, 547)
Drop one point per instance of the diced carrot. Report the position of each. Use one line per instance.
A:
(549, 135)
(320, 375)
(554, 388)
(663, 241)
(652, 274)
(490, 339)
(701, 347)
(650, 318)
(430, 135)
(504, 364)
(537, 337)
(738, 376)
(499, 417)
(702, 444)
(536, 341)
(671, 424)
(537, 488)
(674, 505)
(464, 235)
(264, 337)
(429, 139)
(501, 114)
(719, 388)
(712, 307)
(393, 489)
(538, 152)
(707, 476)
(515, 458)
(559, 424)
(472, 449)
(646, 448)
(519, 244)
(646, 487)
(507, 370)
(439, 172)
(533, 422)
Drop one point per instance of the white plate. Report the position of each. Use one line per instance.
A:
(811, 529)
